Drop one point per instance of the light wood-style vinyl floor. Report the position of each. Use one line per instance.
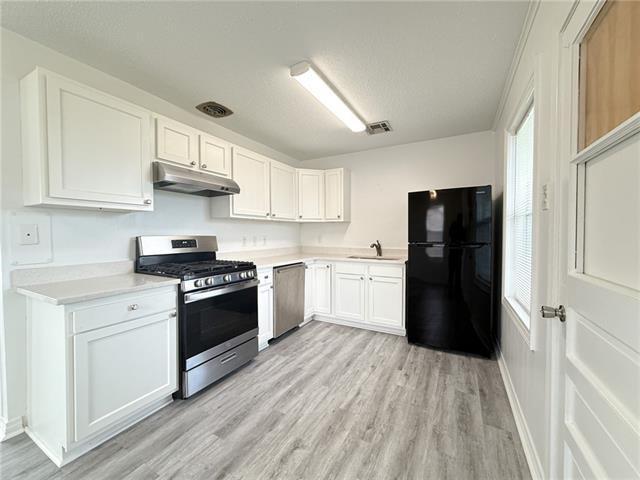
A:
(325, 402)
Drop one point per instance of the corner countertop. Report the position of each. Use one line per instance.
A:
(279, 260)
(74, 291)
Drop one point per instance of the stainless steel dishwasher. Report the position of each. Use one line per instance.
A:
(288, 297)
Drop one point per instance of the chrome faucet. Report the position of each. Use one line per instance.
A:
(378, 248)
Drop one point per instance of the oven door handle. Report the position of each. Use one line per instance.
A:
(214, 292)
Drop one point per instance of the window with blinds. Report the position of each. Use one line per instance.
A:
(519, 216)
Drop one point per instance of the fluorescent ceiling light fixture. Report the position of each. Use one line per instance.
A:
(304, 73)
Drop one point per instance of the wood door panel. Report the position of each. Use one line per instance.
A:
(609, 70)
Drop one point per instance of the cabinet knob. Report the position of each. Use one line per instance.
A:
(147, 201)
(172, 314)
(338, 216)
(273, 214)
(299, 216)
(204, 165)
(134, 306)
(267, 214)
(328, 266)
(371, 279)
(361, 278)
(193, 163)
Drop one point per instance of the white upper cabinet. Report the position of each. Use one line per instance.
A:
(83, 148)
(337, 195)
(311, 195)
(215, 155)
(251, 171)
(283, 191)
(176, 142)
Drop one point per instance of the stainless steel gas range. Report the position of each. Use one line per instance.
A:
(218, 305)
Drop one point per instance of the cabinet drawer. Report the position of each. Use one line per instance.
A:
(121, 309)
(393, 271)
(355, 268)
(265, 276)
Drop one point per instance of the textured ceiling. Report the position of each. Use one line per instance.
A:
(433, 69)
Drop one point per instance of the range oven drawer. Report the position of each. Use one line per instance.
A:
(208, 372)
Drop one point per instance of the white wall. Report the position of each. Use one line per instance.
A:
(528, 370)
(381, 179)
(80, 236)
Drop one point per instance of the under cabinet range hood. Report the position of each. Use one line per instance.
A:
(185, 180)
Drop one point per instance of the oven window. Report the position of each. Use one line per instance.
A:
(215, 320)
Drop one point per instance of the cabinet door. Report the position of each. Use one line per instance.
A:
(283, 191)
(309, 290)
(385, 301)
(98, 145)
(322, 284)
(120, 369)
(310, 194)
(333, 194)
(349, 300)
(265, 315)
(176, 142)
(215, 155)
(251, 172)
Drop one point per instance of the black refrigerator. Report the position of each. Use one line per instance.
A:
(450, 270)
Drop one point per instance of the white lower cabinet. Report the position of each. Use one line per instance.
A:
(349, 300)
(265, 308)
(98, 367)
(385, 301)
(309, 291)
(322, 288)
(121, 368)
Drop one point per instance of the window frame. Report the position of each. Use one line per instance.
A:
(525, 321)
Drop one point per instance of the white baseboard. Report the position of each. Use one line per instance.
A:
(365, 326)
(10, 428)
(533, 460)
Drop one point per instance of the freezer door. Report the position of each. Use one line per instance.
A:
(453, 216)
(449, 298)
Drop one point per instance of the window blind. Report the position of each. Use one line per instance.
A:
(520, 218)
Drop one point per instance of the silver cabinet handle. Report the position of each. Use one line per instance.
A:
(147, 201)
(204, 165)
(134, 306)
(193, 163)
(551, 312)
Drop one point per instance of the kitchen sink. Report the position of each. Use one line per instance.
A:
(372, 257)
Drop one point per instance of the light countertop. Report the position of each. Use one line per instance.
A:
(276, 261)
(74, 291)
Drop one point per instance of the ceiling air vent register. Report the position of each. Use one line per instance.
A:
(214, 109)
(378, 127)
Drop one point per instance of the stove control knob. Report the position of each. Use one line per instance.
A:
(199, 283)
(243, 275)
(209, 281)
(252, 274)
(227, 278)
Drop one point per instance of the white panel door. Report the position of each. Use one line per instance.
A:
(176, 142)
(265, 315)
(599, 434)
(251, 171)
(120, 369)
(349, 302)
(98, 145)
(385, 301)
(283, 191)
(310, 194)
(215, 155)
(333, 181)
(322, 284)
(309, 290)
